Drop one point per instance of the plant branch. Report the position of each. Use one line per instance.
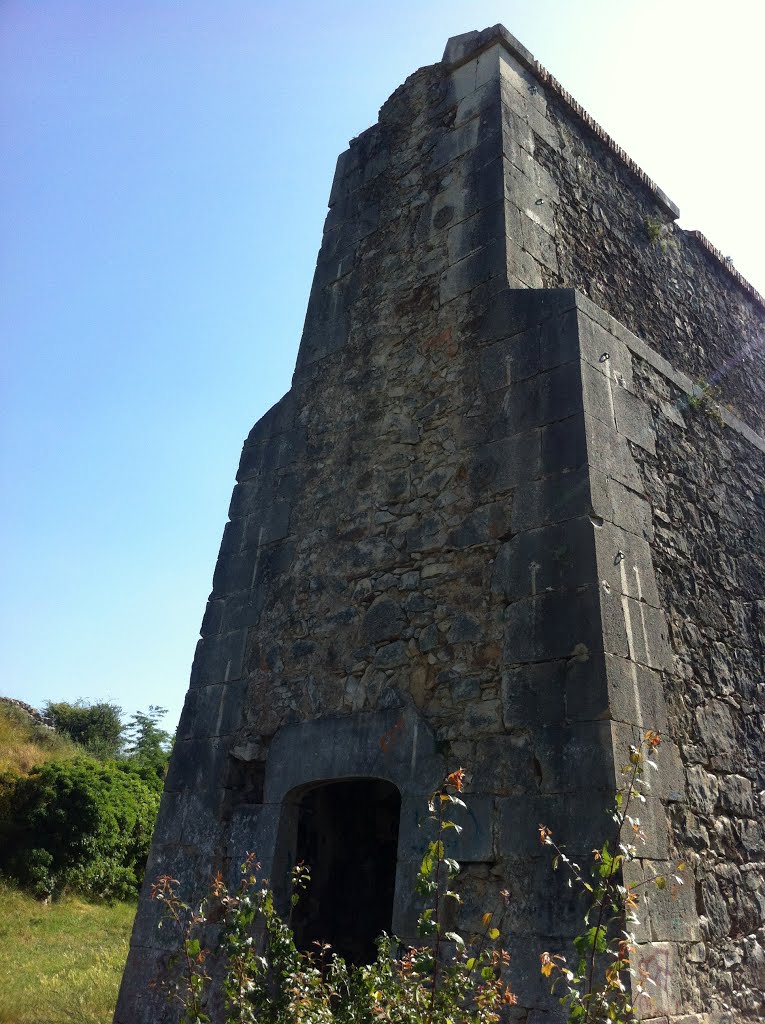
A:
(607, 883)
(436, 909)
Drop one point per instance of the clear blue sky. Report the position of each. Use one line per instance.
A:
(163, 183)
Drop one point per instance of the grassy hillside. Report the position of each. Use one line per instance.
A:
(60, 963)
(23, 744)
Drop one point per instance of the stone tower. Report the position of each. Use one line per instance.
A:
(510, 512)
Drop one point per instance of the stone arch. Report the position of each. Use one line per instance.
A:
(394, 747)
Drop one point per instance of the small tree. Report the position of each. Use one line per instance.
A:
(148, 745)
(96, 727)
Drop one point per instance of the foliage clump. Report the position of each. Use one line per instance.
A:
(80, 824)
(658, 233)
(97, 727)
(706, 398)
(78, 800)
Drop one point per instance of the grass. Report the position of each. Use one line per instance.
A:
(60, 963)
(23, 744)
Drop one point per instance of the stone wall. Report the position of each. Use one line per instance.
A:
(672, 291)
(705, 483)
(449, 543)
(577, 211)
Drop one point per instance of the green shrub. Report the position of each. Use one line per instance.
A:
(81, 824)
(96, 727)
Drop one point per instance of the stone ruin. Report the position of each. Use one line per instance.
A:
(510, 514)
(35, 716)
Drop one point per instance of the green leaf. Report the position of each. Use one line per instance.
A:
(593, 938)
(661, 882)
(493, 933)
(433, 854)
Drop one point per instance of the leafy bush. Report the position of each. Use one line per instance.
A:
(82, 824)
(96, 727)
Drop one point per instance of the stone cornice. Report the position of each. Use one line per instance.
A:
(463, 48)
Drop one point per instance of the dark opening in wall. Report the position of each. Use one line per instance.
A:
(242, 784)
(347, 833)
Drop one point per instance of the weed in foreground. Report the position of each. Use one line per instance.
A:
(603, 985)
(267, 979)
(448, 979)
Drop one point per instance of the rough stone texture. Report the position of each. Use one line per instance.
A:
(705, 485)
(591, 233)
(487, 527)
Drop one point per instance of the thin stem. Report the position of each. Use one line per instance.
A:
(607, 881)
(437, 944)
(174, 905)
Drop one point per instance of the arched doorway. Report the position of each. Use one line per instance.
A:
(347, 834)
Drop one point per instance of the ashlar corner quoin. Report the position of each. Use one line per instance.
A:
(510, 512)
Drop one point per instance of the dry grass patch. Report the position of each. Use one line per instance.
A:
(24, 744)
